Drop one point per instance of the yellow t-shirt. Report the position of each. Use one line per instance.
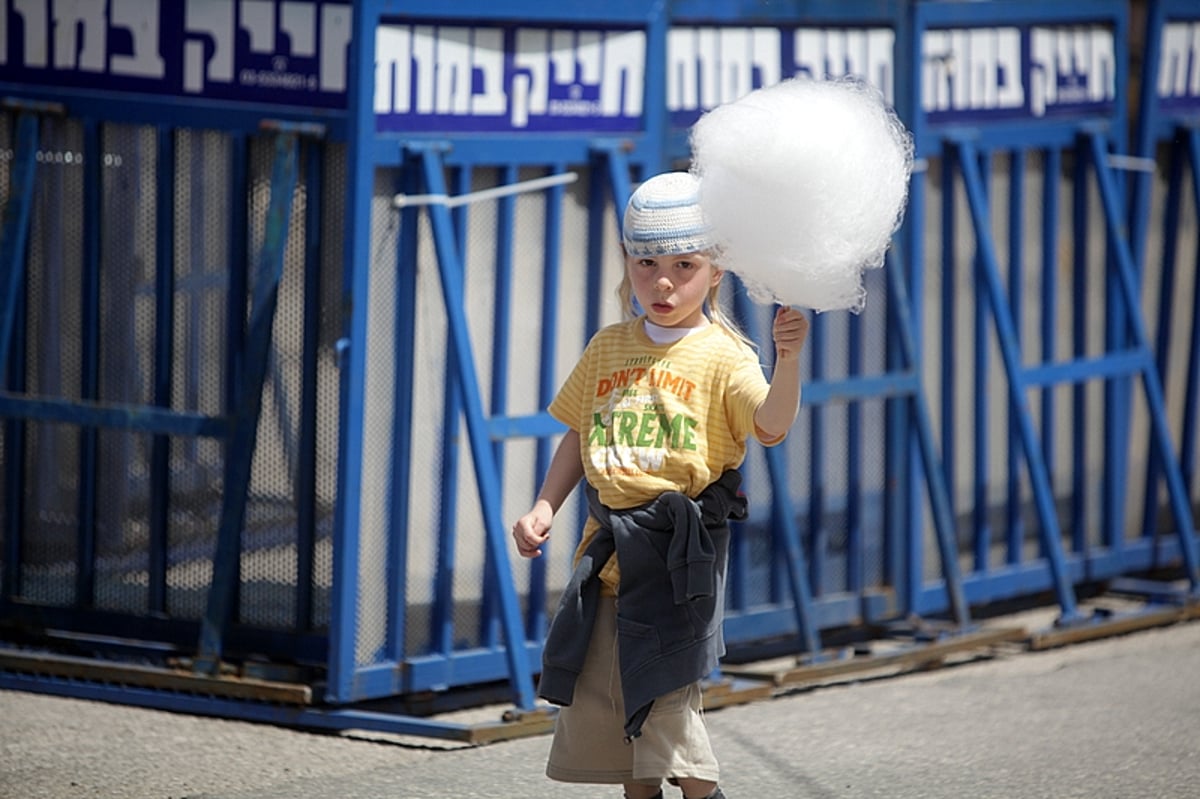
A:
(659, 417)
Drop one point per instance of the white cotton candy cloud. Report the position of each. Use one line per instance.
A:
(803, 183)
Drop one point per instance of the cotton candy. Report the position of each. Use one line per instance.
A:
(803, 183)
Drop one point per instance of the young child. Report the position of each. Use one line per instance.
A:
(658, 412)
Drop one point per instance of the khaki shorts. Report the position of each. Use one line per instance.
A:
(589, 735)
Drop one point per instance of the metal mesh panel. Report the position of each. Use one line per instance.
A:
(331, 324)
(50, 525)
(198, 377)
(378, 428)
(191, 539)
(126, 364)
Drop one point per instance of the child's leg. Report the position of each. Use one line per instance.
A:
(674, 743)
(637, 790)
(696, 789)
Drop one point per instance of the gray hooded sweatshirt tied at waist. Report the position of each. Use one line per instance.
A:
(672, 552)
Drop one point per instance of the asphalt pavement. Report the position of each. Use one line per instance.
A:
(1114, 718)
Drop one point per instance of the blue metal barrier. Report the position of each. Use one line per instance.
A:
(1167, 116)
(1089, 125)
(461, 170)
(151, 549)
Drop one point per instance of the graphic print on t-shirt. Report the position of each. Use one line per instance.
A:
(642, 415)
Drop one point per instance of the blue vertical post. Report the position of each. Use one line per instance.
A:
(164, 362)
(818, 544)
(404, 348)
(1079, 348)
(535, 615)
(981, 421)
(905, 545)
(1049, 318)
(501, 330)
(306, 465)
(89, 378)
(442, 615)
(352, 353)
(1016, 293)
(854, 447)
(948, 316)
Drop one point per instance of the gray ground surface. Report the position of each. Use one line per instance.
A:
(1119, 717)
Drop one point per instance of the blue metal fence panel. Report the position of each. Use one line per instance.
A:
(613, 163)
(1073, 69)
(147, 196)
(406, 391)
(1168, 111)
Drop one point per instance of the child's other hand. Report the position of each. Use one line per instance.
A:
(533, 529)
(790, 331)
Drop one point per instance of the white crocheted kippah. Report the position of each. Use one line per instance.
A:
(663, 217)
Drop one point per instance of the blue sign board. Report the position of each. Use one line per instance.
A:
(1026, 72)
(485, 79)
(539, 78)
(1179, 67)
(261, 51)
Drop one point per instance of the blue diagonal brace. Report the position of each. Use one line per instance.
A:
(1122, 264)
(989, 272)
(239, 452)
(482, 453)
(14, 230)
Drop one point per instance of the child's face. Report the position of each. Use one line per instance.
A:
(672, 288)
